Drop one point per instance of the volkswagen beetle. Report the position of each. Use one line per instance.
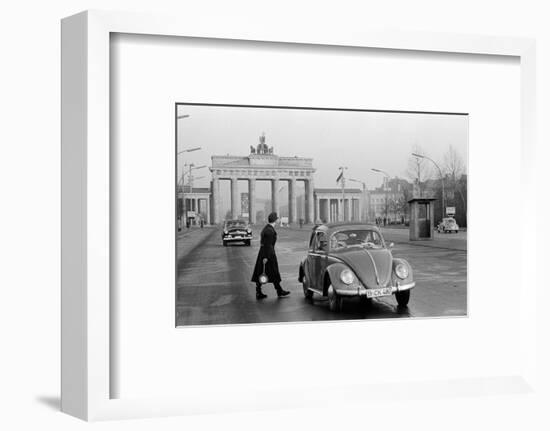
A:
(353, 260)
(448, 224)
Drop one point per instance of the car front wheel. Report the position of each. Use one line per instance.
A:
(225, 243)
(307, 293)
(334, 300)
(403, 298)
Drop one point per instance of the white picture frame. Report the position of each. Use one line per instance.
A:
(86, 313)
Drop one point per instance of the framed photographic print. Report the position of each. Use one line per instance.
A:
(242, 200)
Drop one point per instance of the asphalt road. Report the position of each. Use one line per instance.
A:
(213, 282)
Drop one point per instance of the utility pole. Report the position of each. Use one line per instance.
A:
(342, 180)
(385, 187)
(443, 209)
(182, 217)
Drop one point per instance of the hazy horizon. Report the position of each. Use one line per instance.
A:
(359, 140)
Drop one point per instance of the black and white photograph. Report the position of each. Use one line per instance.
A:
(293, 214)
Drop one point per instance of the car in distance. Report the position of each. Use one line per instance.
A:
(353, 260)
(448, 224)
(236, 231)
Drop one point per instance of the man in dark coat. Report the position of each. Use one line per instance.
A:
(268, 238)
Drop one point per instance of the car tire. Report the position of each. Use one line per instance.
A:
(334, 300)
(403, 298)
(308, 294)
(247, 243)
(225, 243)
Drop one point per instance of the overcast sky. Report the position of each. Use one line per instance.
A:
(358, 140)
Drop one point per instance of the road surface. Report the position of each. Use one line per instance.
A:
(213, 282)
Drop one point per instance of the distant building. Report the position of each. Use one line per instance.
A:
(390, 200)
(329, 206)
(195, 205)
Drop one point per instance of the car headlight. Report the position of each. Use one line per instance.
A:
(249, 231)
(402, 271)
(225, 232)
(347, 276)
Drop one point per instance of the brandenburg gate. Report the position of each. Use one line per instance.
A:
(262, 165)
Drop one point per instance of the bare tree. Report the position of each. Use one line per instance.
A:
(453, 166)
(453, 169)
(418, 169)
(402, 204)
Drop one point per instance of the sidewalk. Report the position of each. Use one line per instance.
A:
(188, 239)
(447, 241)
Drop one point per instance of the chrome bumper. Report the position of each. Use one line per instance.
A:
(232, 238)
(362, 291)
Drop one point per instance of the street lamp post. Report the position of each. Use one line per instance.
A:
(190, 173)
(182, 183)
(364, 216)
(386, 177)
(420, 156)
(183, 217)
(342, 179)
(181, 117)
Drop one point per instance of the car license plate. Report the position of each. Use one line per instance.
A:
(375, 293)
(237, 237)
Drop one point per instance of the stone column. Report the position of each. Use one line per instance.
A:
(235, 204)
(347, 210)
(207, 211)
(317, 215)
(252, 200)
(309, 202)
(292, 201)
(339, 210)
(275, 195)
(215, 200)
(344, 209)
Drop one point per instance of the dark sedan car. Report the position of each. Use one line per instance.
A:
(236, 231)
(353, 260)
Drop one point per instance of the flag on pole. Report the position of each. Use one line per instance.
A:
(339, 177)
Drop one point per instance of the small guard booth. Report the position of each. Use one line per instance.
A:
(421, 225)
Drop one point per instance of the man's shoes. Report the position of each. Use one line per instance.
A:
(260, 295)
(282, 293)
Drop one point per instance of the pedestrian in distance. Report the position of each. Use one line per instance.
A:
(301, 223)
(266, 262)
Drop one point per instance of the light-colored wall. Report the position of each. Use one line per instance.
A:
(30, 88)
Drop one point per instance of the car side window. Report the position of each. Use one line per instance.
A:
(312, 241)
(321, 243)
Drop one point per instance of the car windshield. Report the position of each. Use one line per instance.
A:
(366, 238)
(235, 223)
